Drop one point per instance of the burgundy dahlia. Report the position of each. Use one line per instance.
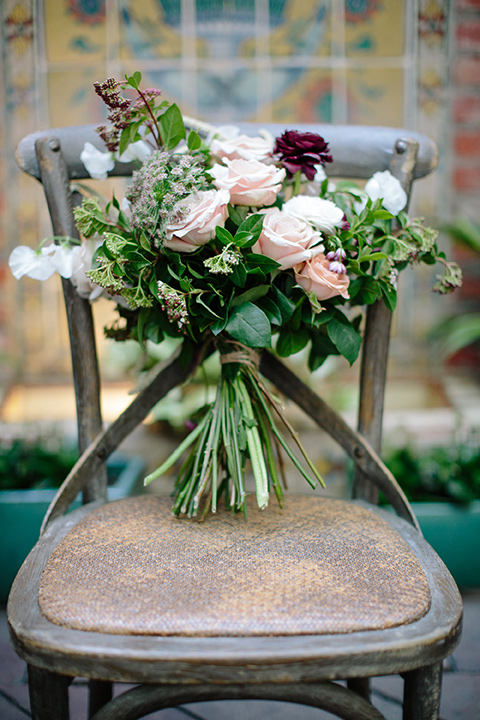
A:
(301, 151)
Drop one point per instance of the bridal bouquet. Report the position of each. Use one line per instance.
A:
(243, 243)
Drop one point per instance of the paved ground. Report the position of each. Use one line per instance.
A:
(460, 698)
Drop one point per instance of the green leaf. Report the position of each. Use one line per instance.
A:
(223, 235)
(382, 214)
(134, 80)
(389, 295)
(285, 305)
(237, 214)
(271, 310)
(252, 226)
(366, 255)
(239, 275)
(250, 295)
(194, 141)
(290, 342)
(250, 326)
(172, 128)
(260, 264)
(344, 336)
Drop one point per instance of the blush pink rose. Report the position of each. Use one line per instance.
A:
(287, 239)
(244, 147)
(315, 277)
(201, 214)
(249, 182)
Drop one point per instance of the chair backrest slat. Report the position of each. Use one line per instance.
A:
(376, 341)
(358, 151)
(54, 178)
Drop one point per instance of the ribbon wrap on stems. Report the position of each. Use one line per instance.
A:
(238, 426)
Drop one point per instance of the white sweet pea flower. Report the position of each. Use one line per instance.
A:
(322, 214)
(385, 186)
(139, 150)
(36, 264)
(97, 163)
(82, 262)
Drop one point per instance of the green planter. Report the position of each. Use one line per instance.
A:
(22, 511)
(454, 533)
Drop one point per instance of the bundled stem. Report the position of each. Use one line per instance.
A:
(238, 426)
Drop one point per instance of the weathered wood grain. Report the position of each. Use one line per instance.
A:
(331, 697)
(365, 458)
(168, 375)
(54, 176)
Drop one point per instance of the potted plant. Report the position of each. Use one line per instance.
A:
(443, 485)
(31, 469)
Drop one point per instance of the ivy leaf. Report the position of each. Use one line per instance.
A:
(172, 128)
(250, 326)
(344, 336)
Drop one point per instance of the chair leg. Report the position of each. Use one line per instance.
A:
(100, 693)
(422, 693)
(361, 686)
(48, 694)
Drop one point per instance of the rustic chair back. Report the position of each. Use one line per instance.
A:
(180, 668)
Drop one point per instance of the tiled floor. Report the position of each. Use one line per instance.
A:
(460, 698)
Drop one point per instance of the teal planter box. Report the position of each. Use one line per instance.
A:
(22, 512)
(454, 533)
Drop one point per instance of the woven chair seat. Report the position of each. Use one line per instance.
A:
(318, 566)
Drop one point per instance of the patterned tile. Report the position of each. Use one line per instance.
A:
(374, 28)
(75, 30)
(375, 96)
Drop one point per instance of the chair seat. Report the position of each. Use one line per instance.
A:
(319, 566)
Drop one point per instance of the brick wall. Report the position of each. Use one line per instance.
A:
(465, 173)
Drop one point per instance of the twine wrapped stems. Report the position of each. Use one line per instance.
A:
(238, 426)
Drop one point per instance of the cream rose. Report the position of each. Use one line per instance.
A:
(287, 239)
(314, 276)
(202, 214)
(385, 186)
(249, 182)
(244, 147)
(322, 214)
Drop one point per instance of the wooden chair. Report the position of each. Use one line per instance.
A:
(280, 606)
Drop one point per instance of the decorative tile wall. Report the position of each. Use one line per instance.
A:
(377, 62)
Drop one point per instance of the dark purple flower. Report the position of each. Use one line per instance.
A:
(301, 151)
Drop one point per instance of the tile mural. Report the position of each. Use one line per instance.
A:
(375, 62)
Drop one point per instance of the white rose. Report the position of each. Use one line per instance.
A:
(97, 163)
(287, 239)
(384, 185)
(202, 214)
(322, 214)
(249, 182)
(244, 147)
